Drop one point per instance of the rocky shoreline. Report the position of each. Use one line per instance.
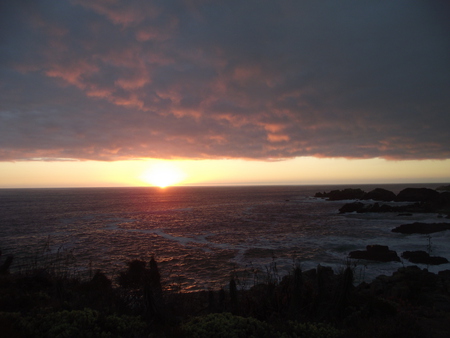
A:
(427, 294)
(419, 200)
(320, 302)
(422, 200)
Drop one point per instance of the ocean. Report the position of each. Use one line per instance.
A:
(200, 236)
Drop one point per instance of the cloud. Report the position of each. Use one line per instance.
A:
(115, 80)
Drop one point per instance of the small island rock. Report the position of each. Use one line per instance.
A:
(379, 253)
(418, 195)
(351, 207)
(421, 228)
(380, 194)
(345, 194)
(422, 257)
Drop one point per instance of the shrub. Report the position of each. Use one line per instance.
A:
(134, 276)
(312, 330)
(225, 325)
(77, 323)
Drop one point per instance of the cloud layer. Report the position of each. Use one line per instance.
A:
(114, 80)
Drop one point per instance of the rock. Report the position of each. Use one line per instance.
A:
(422, 257)
(417, 287)
(346, 194)
(352, 207)
(423, 200)
(428, 200)
(379, 208)
(418, 195)
(445, 197)
(422, 207)
(379, 194)
(444, 188)
(363, 208)
(421, 228)
(379, 253)
(376, 207)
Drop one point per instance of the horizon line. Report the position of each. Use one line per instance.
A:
(216, 185)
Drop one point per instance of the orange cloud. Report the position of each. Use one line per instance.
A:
(121, 13)
(73, 73)
(130, 101)
(100, 93)
(218, 139)
(234, 119)
(157, 33)
(132, 82)
(278, 138)
(209, 79)
(186, 112)
(273, 127)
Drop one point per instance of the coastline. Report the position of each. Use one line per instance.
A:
(411, 299)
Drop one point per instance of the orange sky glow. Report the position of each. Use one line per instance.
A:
(299, 171)
(98, 93)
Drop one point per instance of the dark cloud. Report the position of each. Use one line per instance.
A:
(110, 80)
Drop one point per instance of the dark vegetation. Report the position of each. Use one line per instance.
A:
(47, 302)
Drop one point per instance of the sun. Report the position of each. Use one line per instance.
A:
(163, 175)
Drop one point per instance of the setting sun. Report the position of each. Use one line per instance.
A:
(163, 175)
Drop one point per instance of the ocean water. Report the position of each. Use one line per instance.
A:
(202, 235)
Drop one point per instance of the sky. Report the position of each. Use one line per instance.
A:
(111, 93)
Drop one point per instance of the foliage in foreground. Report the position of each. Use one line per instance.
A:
(316, 303)
(76, 323)
(227, 325)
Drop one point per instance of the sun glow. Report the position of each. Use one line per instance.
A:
(163, 175)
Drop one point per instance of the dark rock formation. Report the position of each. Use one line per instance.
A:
(379, 194)
(422, 257)
(428, 200)
(422, 207)
(379, 253)
(445, 197)
(421, 228)
(417, 286)
(352, 207)
(381, 208)
(418, 195)
(376, 207)
(444, 188)
(346, 194)
(422, 200)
